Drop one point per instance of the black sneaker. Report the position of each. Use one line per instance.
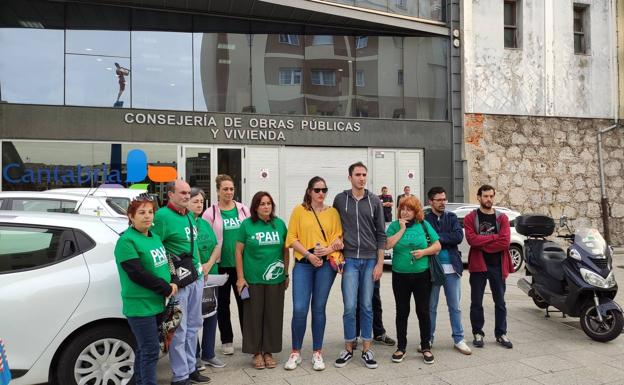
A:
(369, 359)
(504, 341)
(198, 378)
(478, 341)
(384, 339)
(181, 382)
(343, 359)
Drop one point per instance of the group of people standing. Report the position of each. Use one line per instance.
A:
(252, 246)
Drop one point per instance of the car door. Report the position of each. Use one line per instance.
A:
(43, 278)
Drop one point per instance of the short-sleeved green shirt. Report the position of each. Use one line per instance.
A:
(139, 301)
(263, 257)
(206, 242)
(231, 224)
(175, 233)
(413, 239)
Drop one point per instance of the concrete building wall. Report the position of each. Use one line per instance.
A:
(543, 76)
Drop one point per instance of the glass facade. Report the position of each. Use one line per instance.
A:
(183, 62)
(423, 9)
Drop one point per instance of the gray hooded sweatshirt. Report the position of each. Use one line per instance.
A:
(363, 224)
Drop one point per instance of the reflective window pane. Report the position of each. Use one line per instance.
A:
(31, 65)
(108, 43)
(222, 72)
(162, 72)
(99, 81)
(380, 5)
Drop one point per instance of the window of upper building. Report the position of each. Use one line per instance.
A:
(323, 40)
(359, 78)
(361, 42)
(289, 76)
(581, 29)
(324, 77)
(289, 39)
(512, 23)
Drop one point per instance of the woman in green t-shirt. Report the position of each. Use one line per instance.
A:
(262, 270)
(410, 273)
(145, 283)
(209, 252)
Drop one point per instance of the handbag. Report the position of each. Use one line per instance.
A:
(183, 266)
(209, 301)
(169, 322)
(435, 267)
(335, 259)
(5, 373)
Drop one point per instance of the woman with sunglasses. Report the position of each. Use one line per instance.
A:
(209, 252)
(262, 270)
(145, 283)
(314, 232)
(410, 273)
(225, 217)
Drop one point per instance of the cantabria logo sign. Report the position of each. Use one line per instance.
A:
(137, 170)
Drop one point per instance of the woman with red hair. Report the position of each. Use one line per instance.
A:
(407, 236)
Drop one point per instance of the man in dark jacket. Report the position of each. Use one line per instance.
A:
(447, 226)
(488, 234)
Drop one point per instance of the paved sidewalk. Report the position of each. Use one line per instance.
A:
(546, 351)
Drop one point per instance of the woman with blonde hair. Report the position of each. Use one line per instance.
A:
(314, 232)
(225, 216)
(413, 241)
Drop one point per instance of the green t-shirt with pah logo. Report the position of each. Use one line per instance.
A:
(139, 301)
(206, 242)
(175, 232)
(263, 257)
(231, 224)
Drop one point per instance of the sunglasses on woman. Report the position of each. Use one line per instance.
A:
(318, 190)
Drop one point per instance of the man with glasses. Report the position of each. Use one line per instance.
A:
(175, 226)
(362, 218)
(447, 226)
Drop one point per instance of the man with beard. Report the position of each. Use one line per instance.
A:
(487, 233)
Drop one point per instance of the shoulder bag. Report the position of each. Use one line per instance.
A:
(435, 267)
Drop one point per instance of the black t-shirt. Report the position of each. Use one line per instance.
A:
(487, 226)
(387, 210)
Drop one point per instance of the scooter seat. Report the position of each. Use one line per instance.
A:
(553, 257)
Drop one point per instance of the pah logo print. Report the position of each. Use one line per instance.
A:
(274, 270)
(138, 169)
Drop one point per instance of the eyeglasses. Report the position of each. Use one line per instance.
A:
(318, 190)
(144, 197)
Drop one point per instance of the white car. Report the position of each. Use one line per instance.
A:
(60, 299)
(60, 202)
(516, 248)
(119, 196)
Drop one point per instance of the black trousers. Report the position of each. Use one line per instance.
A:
(263, 326)
(494, 276)
(404, 286)
(223, 310)
(378, 326)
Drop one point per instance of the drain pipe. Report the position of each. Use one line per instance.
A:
(604, 200)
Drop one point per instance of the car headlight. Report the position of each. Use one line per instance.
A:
(575, 254)
(596, 280)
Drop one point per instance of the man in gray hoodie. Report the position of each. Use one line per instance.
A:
(363, 226)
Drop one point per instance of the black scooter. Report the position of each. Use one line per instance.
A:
(578, 282)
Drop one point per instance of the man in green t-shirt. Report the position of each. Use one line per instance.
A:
(176, 225)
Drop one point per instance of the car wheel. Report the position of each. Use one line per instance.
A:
(98, 357)
(517, 259)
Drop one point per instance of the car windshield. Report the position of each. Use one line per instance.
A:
(590, 241)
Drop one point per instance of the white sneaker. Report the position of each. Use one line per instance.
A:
(227, 349)
(293, 361)
(463, 348)
(317, 361)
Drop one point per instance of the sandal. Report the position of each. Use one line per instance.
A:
(258, 361)
(269, 362)
(427, 356)
(398, 356)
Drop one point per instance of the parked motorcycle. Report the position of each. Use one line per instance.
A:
(578, 281)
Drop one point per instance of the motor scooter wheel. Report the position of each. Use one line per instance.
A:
(605, 331)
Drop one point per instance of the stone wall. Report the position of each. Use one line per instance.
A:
(547, 165)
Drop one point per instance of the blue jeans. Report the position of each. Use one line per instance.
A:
(477, 289)
(357, 282)
(183, 346)
(208, 338)
(452, 291)
(145, 330)
(309, 282)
